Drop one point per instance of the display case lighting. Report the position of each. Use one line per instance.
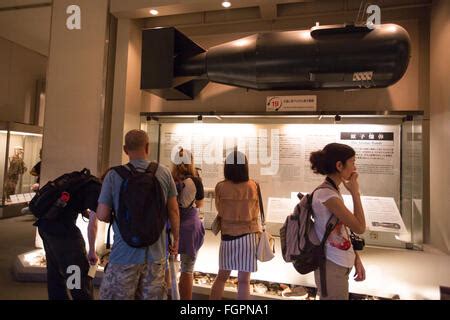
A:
(270, 116)
(26, 134)
(3, 131)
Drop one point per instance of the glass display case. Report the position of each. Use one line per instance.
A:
(389, 161)
(20, 147)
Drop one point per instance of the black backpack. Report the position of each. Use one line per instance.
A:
(51, 200)
(142, 212)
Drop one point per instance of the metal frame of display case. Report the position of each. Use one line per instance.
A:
(304, 114)
(337, 117)
(11, 127)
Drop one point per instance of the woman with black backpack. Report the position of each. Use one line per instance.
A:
(337, 162)
(190, 199)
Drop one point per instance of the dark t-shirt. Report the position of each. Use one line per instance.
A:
(200, 194)
(65, 223)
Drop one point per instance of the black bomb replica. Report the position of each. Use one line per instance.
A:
(324, 57)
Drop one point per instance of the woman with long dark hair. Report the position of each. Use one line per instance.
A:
(238, 209)
(337, 162)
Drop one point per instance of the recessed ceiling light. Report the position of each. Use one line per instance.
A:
(154, 12)
(226, 4)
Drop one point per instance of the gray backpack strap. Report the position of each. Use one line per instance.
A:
(332, 222)
(333, 219)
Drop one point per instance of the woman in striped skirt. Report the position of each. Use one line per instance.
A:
(237, 204)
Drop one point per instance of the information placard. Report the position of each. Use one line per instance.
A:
(291, 103)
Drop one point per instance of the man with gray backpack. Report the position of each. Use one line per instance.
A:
(138, 199)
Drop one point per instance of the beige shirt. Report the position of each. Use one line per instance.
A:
(238, 207)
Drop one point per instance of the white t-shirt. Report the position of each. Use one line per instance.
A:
(339, 237)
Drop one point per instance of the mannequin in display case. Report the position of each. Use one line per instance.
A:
(16, 168)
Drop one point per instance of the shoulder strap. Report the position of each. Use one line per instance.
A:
(152, 167)
(220, 182)
(333, 220)
(331, 223)
(123, 172)
(324, 185)
(132, 168)
(261, 205)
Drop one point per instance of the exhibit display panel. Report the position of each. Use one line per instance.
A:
(20, 146)
(278, 145)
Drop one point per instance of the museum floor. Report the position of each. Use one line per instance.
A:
(410, 274)
(16, 237)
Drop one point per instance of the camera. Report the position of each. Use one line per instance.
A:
(357, 242)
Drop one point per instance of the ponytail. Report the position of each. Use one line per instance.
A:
(318, 162)
(324, 161)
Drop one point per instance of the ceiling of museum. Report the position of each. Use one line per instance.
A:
(27, 22)
(261, 9)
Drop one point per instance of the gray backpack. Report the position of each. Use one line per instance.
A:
(299, 242)
(186, 193)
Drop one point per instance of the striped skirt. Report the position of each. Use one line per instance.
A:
(239, 254)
